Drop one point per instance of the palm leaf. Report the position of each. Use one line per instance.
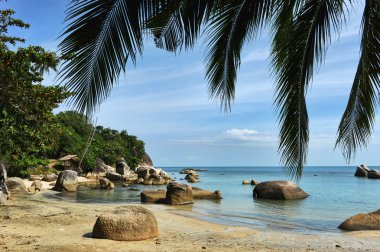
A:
(231, 24)
(99, 38)
(357, 123)
(293, 59)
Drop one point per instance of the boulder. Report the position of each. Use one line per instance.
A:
(3, 198)
(102, 167)
(363, 221)
(122, 167)
(36, 186)
(361, 171)
(4, 192)
(254, 182)
(279, 190)
(35, 177)
(106, 184)
(150, 196)
(199, 193)
(92, 184)
(179, 194)
(66, 181)
(157, 180)
(128, 223)
(192, 179)
(374, 174)
(148, 182)
(138, 181)
(190, 175)
(130, 179)
(15, 185)
(91, 175)
(114, 176)
(49, 177)
(245, 182)
(142, 172)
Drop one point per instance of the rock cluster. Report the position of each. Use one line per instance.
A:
(278, 190)
(128, 223)
(148, 175)
(363, 171)
(192, 175)
(178, 194)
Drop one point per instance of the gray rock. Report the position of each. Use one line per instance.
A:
(363, 221)
(106, 184)
(36, 186)
(279, 190)
(199, 193)
(361, 171)
(122, 167)
(150, 196)
(66, 181)
(102, 167)
(16, 185)
(114, 176)
(374, 174)
(179, 194)
(128, 223)
(143, 172)
(49, 177)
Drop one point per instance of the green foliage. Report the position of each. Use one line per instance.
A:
(108, 144)
(26, 118)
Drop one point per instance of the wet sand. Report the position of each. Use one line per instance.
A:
(34, 222)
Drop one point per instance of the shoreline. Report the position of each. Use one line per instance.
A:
(33, 222)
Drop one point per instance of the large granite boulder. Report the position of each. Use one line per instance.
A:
(374, 174)
(192, 179)
(114, 176)
(66, 181)
(128, 223)
(143, 172)
(179, 194)
(150, 196)
(363, 221)
(106, 184)
(361, 171)
(199, 193)
(279, 190)
(16, 185)
(122, 167)
(102, 167)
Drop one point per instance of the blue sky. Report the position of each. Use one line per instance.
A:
(164, 99)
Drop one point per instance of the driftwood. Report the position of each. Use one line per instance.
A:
(3, 176)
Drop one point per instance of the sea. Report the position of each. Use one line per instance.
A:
(335, 195)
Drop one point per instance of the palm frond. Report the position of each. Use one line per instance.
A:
(179, 23)
(100, 37)
(293, 61)
(231, 24)
(357, 123)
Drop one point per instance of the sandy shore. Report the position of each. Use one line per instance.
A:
(34, 222)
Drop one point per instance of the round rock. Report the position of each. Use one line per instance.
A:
(128, 223)
(363, 221)
(279, 190)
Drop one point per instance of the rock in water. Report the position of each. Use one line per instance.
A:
(122, 167)
(66, 181)
(374, 174)
(279, 190)
(245, 182)
(361, 171)
(363, 221)
(254, 182)
(199, 193)
(128, 223)
(16, 185)
(150, 196)
(114, 176)
(106, 184)
(179, 194)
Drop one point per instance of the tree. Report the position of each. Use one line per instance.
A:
(104, 34)
(26, 118)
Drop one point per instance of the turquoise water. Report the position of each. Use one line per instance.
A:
(335, 195)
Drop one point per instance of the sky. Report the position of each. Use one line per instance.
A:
(164, 99)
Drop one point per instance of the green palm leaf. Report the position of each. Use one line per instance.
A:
(357, 123)
(231, 24)
(293, 59)
(99, 39)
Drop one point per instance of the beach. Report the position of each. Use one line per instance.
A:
(35, 222)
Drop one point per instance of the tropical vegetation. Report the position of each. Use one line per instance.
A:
(102, 35)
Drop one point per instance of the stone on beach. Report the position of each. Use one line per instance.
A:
(279, 190)
(151, 196)
(179, 194)
(15, 185)
(363, 221)
(199, 193)
(122, 167)
(114, 176)
(361, 171)
(49, 177)
(128, 223)
(66, 181)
